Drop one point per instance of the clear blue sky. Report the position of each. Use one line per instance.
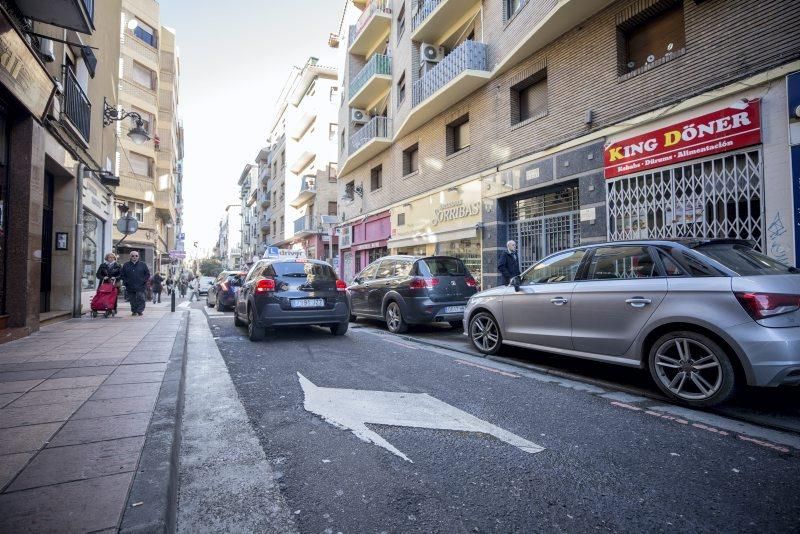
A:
(235, 57)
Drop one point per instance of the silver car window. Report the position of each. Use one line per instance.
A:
(622, 263)
(369, 272)
(403, 268)
(555, 269)
(386, 270)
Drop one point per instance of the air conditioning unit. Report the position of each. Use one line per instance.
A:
(46, 51)
(431, 53)
(359, 116)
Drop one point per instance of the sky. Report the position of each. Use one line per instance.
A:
(235, 57)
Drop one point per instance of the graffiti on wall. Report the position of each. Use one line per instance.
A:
(775, 236)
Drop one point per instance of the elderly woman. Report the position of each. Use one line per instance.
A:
(109, 269)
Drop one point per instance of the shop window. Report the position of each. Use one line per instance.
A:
(651, 37)
(511, 7)
(529, 98)
(143, 76)
(401, 219)
(333, 208)
(401, 89)
(411, 159)
(401, 21)
(146, 33)
(458, 135)
(376, 178)
(333, 170)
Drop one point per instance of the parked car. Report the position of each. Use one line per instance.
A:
(704, 316)
(205, 283)
(406, 290)
(291, 292)
(222, 293)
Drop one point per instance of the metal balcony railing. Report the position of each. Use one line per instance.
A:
(377, 127)
(300, 225)
(470, 55)
(77, 107)
(379, 64)
(309, 183)
(423, 12)
(376, 6)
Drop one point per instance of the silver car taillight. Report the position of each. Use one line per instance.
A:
(765, 305)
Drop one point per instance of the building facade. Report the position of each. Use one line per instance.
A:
(149, 172)
(479, 121)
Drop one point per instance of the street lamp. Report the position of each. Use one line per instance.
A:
(137, 134)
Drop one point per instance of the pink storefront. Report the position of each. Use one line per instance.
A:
(362, 243)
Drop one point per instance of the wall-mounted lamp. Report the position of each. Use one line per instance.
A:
(137, 134)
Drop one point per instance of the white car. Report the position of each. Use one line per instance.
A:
(205, 283)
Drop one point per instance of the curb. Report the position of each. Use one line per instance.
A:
(152, 501)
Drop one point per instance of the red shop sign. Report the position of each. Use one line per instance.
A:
(727, 129)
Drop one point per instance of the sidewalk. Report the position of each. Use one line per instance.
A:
(76, 401)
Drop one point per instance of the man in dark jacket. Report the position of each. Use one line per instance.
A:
(508, 263)
(157, 287)
(135, 274)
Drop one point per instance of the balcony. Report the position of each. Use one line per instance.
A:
(458, 75)
(303, 227)
(264, 200)
(77, 15)
(77, 108)
(302, 161)
(308, 189)
(372, 139)
(264, 175)
(435, 20)
(372, 83)
(263, 224)
(371, 29)
(165, 205)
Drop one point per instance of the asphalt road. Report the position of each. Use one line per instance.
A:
(611, 461)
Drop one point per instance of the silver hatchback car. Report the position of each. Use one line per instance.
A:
(703, 315)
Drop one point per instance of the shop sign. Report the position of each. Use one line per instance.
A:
(453, 211)
(728, 129)
(21, 72)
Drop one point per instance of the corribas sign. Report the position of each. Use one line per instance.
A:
(727, 129)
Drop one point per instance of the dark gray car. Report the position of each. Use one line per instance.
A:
(404, 290)
(291, 292)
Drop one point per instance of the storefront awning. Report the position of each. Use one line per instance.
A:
(452, 235)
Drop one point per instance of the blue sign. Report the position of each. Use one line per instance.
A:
(181, 236)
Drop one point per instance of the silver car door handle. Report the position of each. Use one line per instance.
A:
(638, 302)
(559, 301)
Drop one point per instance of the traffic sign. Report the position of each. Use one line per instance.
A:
(127, 225)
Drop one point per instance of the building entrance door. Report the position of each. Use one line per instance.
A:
(47, 244)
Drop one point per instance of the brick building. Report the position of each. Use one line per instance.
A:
(472, 122)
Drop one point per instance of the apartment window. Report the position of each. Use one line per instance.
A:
(350, 190)
(282, 196)
(331, 131)
(376, 178)
(411, 159)
(332, 95)
(274, 229)
(341, 143)
(401, 21)
(401, 89)
(145, 33)
(139, 164)
(529, 98)
(281, 226)
(511, 7)
(333, 208)
(458, 135)
(143, 76)
(652, 37)
(274, 198)
(136, 209)
(333, 170)
(401, 219)
(147, 119)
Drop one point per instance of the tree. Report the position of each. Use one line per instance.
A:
(211, 267)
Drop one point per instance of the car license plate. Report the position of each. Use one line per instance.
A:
(307, 303)
(454, 309)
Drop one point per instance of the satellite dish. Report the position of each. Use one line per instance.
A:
(132, 24)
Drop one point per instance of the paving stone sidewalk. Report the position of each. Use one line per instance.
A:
(76, 400)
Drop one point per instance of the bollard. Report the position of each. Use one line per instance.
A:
(173, 299)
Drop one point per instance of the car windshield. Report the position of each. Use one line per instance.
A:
(743, 260)
(318, 271)
(235, 279)
(445, 266)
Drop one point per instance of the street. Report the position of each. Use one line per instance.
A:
(600, 458)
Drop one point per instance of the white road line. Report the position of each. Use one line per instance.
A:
(624, 397)
(510, 375)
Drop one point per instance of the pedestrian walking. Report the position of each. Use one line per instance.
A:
(194, 289)
(109, 268)
(182, 285)
(170, 282)
(135, 274)
(508, 263)
(157, 287)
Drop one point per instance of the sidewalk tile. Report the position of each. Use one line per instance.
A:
(53, 396)
(26, 375)
(144, 357)
(125, 390)
(82, 506)
(99, 362)
(72, 372)
(140, 368)
(11, 464)
(109, 407)
(6, 398)
(31, 366)
(65, 383)
(105, 355)
(18, 387)
(37, 414)
(26, 438)
(80, 462)
(134, 378)
(100, 429)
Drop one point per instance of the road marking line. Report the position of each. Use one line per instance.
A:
(510, 375)
(627, 406)
(763, 443)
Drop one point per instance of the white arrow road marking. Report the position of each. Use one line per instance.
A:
(351, 409)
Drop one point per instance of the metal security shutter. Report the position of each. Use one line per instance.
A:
(715, 197)
(545, 224)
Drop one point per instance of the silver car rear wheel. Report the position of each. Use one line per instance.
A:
(692, 368)
(485, 333)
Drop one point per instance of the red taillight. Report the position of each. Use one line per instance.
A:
(224, 286)
(264, 285)
(764, 305)
(470, 281)
(341, 285)
(421, 283)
